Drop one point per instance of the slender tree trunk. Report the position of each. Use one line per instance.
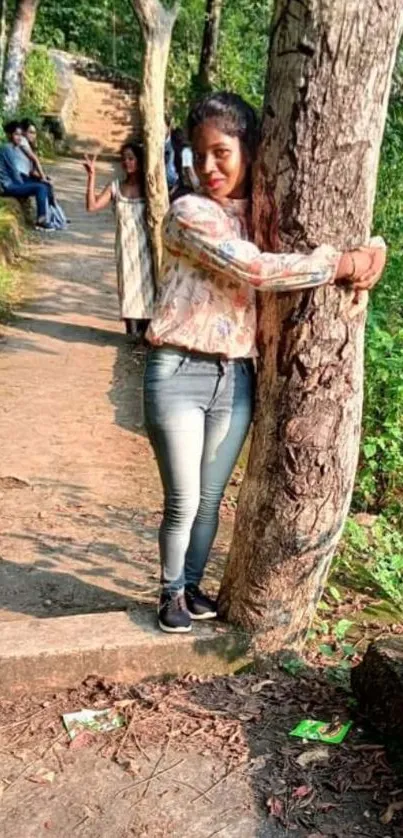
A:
(330, 68)
(208, 56)
(156, 23)
(20, 38)
(3, 35)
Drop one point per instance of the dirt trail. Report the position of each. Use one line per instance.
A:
(74, 461)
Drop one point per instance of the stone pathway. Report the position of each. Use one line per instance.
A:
(79, 488)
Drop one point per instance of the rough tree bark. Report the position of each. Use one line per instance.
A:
(20, 38)
(328, 81)
(208, 56)
(156, 24)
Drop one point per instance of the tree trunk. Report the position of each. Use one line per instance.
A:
(20, 38)
(328, 81)
(156, 24)
(208, 56)
(3, 35)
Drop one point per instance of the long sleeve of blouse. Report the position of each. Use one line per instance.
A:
(200, 230)
(206, 299)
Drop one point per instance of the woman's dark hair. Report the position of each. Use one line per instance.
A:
(235, 117)
(232, 114)
(11, 127)
(138, 151)
(136, 148)
(26, 124)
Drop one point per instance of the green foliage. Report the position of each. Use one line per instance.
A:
(184, 57)
(39, 88)
(242, 55)
(100, 30)
(371, 559)
(7, 292)
(11, 226)
(106, 31)
(40, 83)
(380, 477)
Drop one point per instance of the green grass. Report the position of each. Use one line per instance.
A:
(11, 235)
(8, 292)
(371, 560)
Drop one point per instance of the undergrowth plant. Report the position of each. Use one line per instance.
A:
(380, 478)
(7, 292)
(370, 558)
(40, 82)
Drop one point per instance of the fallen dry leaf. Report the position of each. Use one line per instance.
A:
(82, 740)
(319, 754)
(302, 791)
(43, 777)
(275, 807)
(326, 806)
(390, 812)
(257, 687)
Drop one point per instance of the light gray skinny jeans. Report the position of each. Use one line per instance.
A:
(198, 409)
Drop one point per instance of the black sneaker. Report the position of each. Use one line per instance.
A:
(173, 615)
(200, 606)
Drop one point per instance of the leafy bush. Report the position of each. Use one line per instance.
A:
(380, 477)
(184, 57)
(11, 227)
(242, 54)
(39, 87)
(7, 292)
(92, 29)
(371, 559)
(40, 83)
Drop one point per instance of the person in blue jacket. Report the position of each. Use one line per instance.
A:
(12, 183)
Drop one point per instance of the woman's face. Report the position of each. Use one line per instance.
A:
(221, 162)
(129, 161)
(16, 136)
(31, 135)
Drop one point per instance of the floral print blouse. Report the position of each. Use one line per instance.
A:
(211, 272)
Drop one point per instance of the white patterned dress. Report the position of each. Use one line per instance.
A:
(136, 288)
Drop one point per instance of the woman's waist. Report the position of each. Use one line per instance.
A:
(198, 355)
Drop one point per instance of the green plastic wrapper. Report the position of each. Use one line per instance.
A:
(330, 732)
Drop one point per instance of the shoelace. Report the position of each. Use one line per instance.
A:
(177, 603)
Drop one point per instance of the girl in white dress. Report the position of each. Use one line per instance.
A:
(135, 280)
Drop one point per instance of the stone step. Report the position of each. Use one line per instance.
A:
(49, 654)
